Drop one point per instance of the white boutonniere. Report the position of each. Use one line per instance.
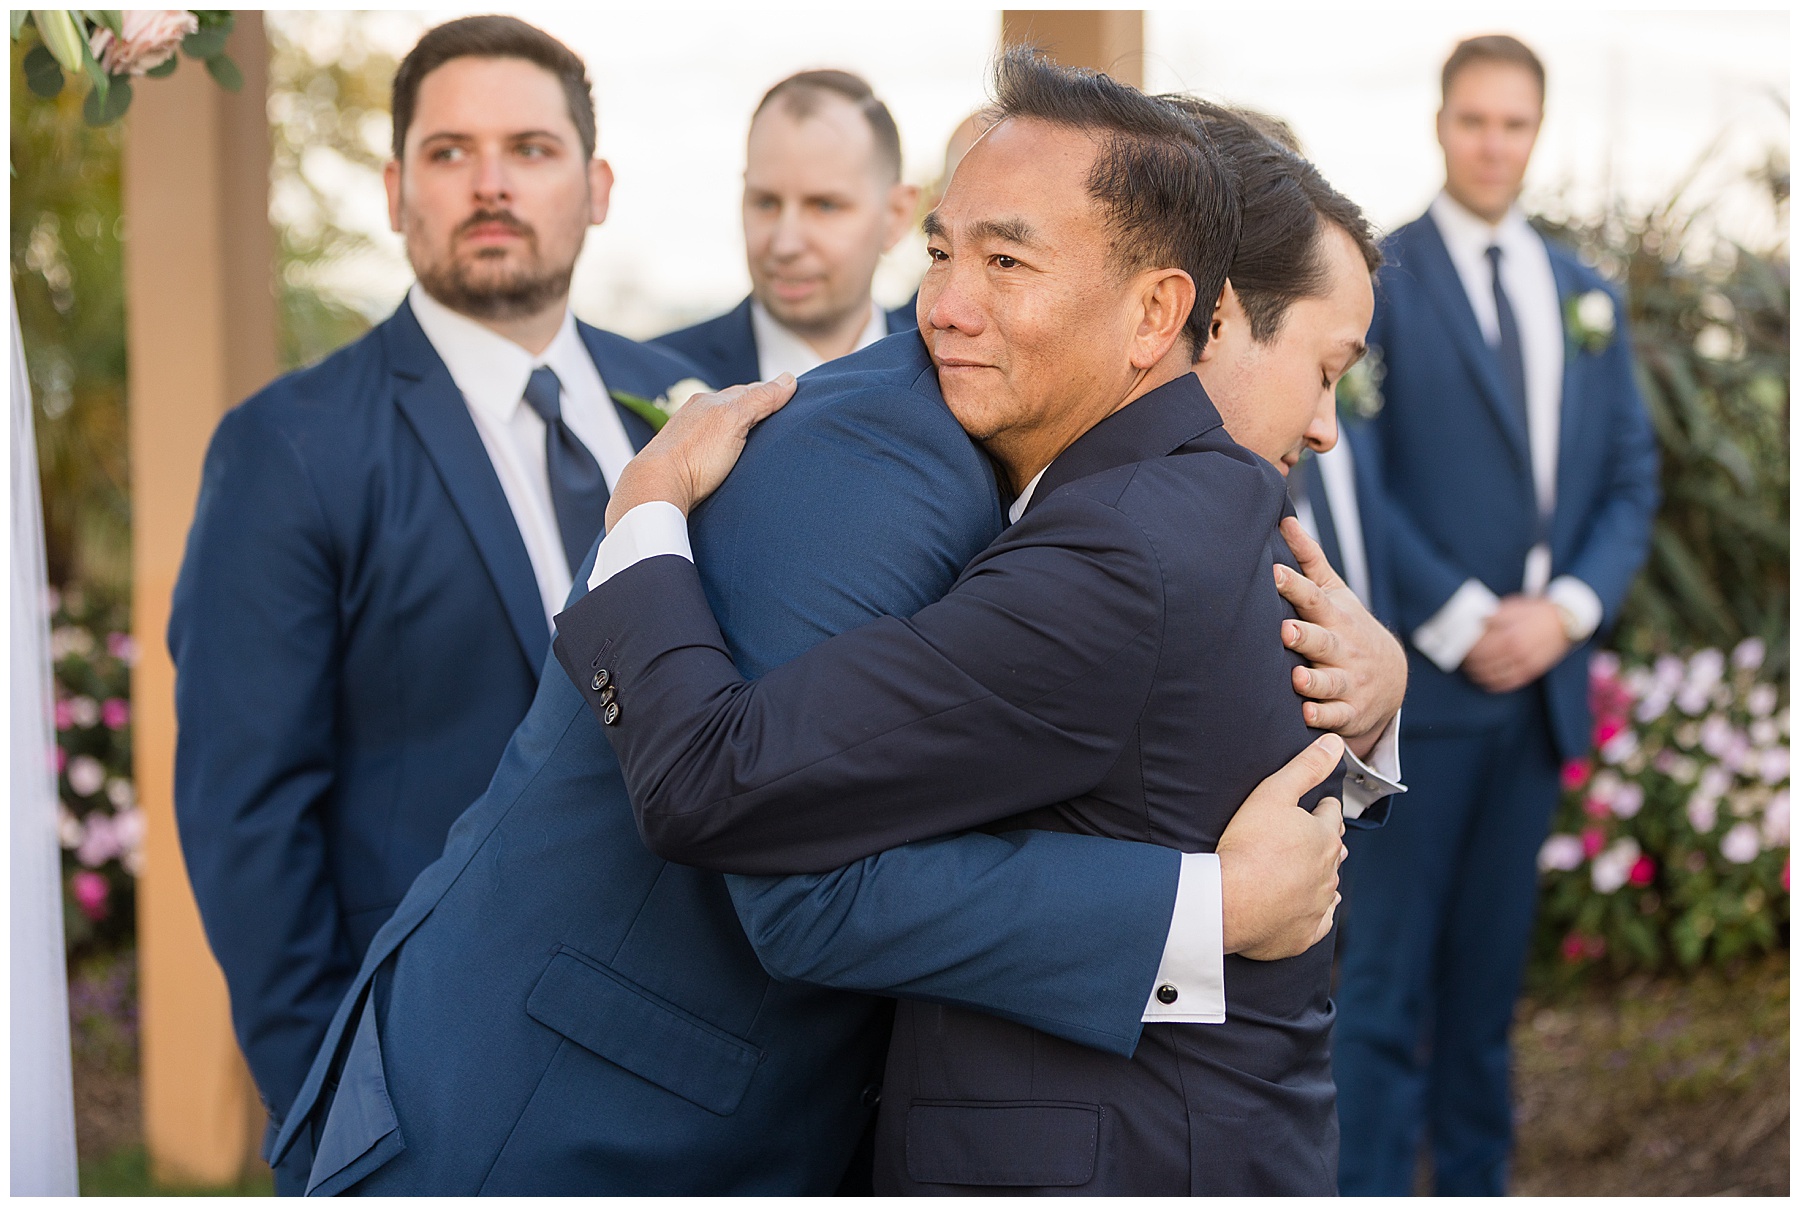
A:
(1359, 389)
(1591, 320)
(656, 411)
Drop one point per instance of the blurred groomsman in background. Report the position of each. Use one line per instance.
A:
(1521, 473)
(382, 539)
(823, 200)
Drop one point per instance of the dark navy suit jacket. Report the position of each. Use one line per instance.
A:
(356, 631)
(1109, 666)
(1371, 510)
(725, 347)
(556, 1010)
(1458, 477)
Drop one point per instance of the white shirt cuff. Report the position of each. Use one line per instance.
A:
(647, 530)
(1567, 591)
(1448, 636)
(1377, 776)
(1192, 974)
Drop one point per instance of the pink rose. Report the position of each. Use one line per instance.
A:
(1596, 808)
(1592, 840)
(65, 715)
(90, 891)
(1607, 729)
(1642, 872)
(1575, 773)
(151, 37)
(116, 713)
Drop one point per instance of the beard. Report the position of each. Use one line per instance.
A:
(493, 283)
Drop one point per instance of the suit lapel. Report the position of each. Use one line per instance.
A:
(619, 376)
(1438, 274)
(435, 409)
(1568, 285)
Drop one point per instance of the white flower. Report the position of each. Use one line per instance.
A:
(1715, 342)
(677, 395)
(134, 862)
(1670, 671)
(1774, 768)
(151, 36)
(1715, 735)
(70, 639)
(1628, 801)
(1703, 812)
(68, 827)
(86, 775)
(1687, 736)
(1762, 700)
(84, 711)
(1775, 821)
(1692, 700)
(1764, 733)
(1604, 665)
(1560, 853)
(1595, 311)
(1714, 780)
(1620, 747)
(121, 792)
(1654, 704)
(1605, 786)
(99, 841)
(1749, 654)
(128, 828)
(1740, 844)
(1612, 867)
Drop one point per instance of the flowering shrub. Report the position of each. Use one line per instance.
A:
(99, 823)
(1672, 840)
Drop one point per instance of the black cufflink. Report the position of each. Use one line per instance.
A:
(1166, 994)
(601, 679)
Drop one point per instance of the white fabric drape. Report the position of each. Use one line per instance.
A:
(43, 1094)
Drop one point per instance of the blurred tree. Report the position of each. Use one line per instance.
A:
(66, 228)
(1711, 332)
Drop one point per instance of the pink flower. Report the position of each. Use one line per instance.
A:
(151, 37)
(1596, 808)
(90, 891)
(116, 713)
(1592, 840)
(122, 647)
(1573, 949)
(1606, 730)
(1741, 843)
(99, 841)
(1575, 773)
(65, 715)
(1642, 872)
(62, 759)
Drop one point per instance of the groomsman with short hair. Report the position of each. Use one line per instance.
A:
(382, 539)
(823, 200)
(1522, 476)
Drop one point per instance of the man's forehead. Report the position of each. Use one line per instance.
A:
(469, 93)
(827, 141)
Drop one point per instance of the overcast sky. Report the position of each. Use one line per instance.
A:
(1635, 99)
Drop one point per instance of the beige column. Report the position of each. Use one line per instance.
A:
(1109, 40)
(201, 336)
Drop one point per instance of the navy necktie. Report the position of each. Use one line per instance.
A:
(1512, 356)
(577, 487)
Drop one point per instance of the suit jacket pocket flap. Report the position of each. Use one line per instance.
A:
(631, 1027)
(1002, 1143)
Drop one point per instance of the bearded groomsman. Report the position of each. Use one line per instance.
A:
(382, 539)
(1522, 474)
(823, 200)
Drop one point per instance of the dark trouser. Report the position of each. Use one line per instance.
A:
(1439, 909)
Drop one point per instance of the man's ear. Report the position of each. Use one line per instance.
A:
(1167, 300)
(600, 182)
(390, 179)
(1228, 313)
(903, 207)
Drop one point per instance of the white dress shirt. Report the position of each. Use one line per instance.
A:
(779, 350)
(491, 371)
(1530, 286)
(1193, 959)
(1337, 470)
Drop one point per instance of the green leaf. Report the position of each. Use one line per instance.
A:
(42, 73)
(105, 107)
(165, 69)
(204, 44)
(643, 408)
(112, 18)
(222, 69)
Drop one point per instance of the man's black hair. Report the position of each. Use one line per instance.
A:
(1169, 199)
(1287, 207)
(494, 37)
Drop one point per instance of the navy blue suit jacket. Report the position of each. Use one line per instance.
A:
(356, 631)
(556, 1010)
(725, 347)
(1110, 665)
(1458, 477)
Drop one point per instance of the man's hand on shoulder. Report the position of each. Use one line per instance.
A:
(1358, 674)
(695, 450)
(1278, 864)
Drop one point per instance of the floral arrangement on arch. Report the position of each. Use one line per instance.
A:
(112, 47)
(1671, 845)
(98, 820)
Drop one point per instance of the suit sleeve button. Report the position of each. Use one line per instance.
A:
(1166, 994)
(607, 696)
(871, 1095)
(610, 714)
(601, 679)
